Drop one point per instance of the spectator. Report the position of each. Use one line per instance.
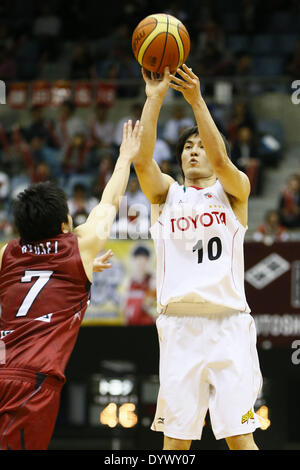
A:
(80, 204)
(47, 29)
(77, 157)
(81, 63)
(212, 34)
(271, 230)
(27, 52)
(101, 130)
(69, 124)
(4, 186)
(292, 67)
(134, 213)
(162, 151)
(248, 15)
(8, 66)
(41, 127)
(241, 116)
(6, 228)
(245, 155)
(176, 9)
(135, 195)
(289, 203)
(104, 173)
(134, 115)
(242, 64)
(42, 162)
(175, 125)
(211, 61)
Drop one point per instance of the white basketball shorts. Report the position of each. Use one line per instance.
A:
(207, 362)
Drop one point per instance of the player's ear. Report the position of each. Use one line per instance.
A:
(64, 227)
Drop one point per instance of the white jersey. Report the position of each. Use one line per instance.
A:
(199, 251)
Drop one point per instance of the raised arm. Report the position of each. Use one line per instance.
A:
(93, 234)
(234, 182)
(153, 182)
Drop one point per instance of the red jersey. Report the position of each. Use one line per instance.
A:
(135, 310)
(44, 294)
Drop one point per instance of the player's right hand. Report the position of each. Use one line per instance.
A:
(156, 86)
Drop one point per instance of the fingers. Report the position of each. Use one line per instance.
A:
(189, 71)
(107, 255)
(155, 76)
(98, 268)
(187, 75)
(101, 263)
(125, 131)
(144, 73)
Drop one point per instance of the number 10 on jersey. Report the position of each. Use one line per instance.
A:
(214, 249)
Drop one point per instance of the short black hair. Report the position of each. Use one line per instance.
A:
(185, 135)
(39, 212)
(141, 251)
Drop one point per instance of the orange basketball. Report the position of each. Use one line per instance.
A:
(160, 41)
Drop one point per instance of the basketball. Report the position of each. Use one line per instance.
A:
(160, 41)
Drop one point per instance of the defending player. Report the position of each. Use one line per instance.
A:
(45, 279)
(208, 357)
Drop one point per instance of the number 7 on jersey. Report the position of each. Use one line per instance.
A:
(42, 279)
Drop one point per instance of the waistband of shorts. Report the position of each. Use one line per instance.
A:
(193, 309)
(31, 376)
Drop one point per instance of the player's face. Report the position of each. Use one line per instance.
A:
(194, 161)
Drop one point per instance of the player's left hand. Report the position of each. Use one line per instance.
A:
(101, 262)
(188, 84)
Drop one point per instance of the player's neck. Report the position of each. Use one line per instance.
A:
(200, 182)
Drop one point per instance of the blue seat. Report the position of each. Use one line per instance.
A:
(295, 24)
(262, 44)
(272, 127)
(228, 6)
(230, 22)
(280, 22)
(285, 43)
(267, 66)
(238, 42)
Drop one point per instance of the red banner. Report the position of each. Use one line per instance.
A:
(41, 93)
(83, 94)
(17, 95)
(106, 94)
(60, 92)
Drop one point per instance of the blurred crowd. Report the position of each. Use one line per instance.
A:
(227, 38)
(281, 221)
(236, 37)
(79, 154)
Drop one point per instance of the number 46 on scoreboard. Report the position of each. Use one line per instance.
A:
(126, 417)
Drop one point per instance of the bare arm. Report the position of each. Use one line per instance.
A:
(1, 253)
(153, 182)
(234, 182)
(93, 234)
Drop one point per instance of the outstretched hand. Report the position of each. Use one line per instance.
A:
(101, 262)
(188, 84)
(131, 141)
(156, 86)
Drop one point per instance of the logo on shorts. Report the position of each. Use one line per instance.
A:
(247, 416)
(161, 421)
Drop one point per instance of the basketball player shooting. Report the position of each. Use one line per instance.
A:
(45, 281)
(208, 356)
